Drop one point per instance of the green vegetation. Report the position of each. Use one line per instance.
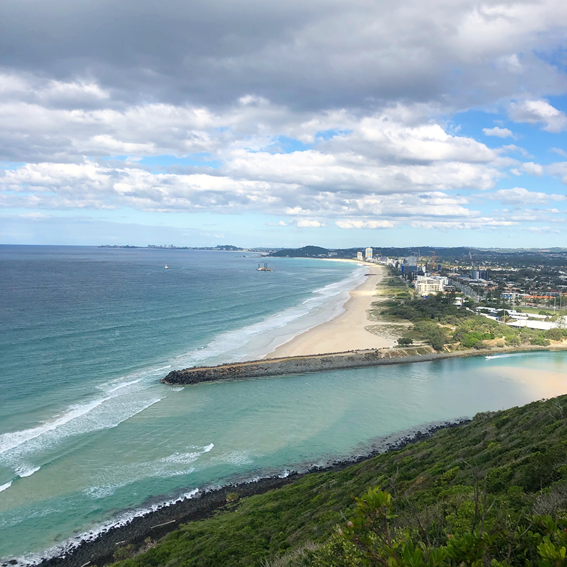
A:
(440, 323)
(305, 252)
(491, 492)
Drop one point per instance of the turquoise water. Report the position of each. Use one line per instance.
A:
(90, 436)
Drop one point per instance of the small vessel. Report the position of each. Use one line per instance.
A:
(264, 268)
(166, 267)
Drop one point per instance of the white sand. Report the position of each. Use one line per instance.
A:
(345, 332)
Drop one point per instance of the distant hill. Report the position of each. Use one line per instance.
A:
(305, 252)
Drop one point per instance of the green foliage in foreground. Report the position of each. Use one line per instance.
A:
(496, 482)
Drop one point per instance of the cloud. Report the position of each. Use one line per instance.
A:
(521, 196)
(309, 223)
(498, 132)
(328, 112)
(536, 112)
(532, 168)
(319, 54)
(543, 230)
(559, 169)
(559, 151)
(373, 224)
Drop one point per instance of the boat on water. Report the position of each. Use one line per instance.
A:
(264, 268)
(166, 267)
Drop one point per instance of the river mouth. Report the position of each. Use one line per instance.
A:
(209, 434)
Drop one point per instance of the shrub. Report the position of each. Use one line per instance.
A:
(432, 333)
(405, 341)
(554, 334)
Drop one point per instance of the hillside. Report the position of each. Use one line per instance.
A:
(305, 252)
(493, 490)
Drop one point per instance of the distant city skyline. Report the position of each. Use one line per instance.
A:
(336, 124)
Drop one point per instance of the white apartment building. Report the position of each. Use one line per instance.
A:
(426, 285)
(359, 256)
(368, 254)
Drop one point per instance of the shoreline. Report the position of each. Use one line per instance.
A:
(98, 549)
(345, 332)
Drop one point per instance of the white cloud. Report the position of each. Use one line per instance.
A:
(532, 168)
(521, 196)
(536, 112)
(559, 169)
(309, 223)
(542, 230)
(559, 151)
(498, 132)
(373, 224)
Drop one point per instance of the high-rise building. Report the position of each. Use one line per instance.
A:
(368, 254)
(359, 256)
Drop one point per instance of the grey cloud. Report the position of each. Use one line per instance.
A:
(315, 54)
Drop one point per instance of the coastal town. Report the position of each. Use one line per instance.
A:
(526, 287)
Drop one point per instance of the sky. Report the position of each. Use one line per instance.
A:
(330, 122)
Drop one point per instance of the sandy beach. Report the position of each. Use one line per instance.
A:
(345, 332)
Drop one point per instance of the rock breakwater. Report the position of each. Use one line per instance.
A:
(299, 365)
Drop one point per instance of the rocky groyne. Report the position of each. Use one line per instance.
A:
(299, 365)
(335, 361)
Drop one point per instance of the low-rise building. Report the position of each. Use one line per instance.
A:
(426, 285)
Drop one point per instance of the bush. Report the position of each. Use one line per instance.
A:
(512, 341)
(405, 341)
(554, 334)
(539, 341)
(432, 333)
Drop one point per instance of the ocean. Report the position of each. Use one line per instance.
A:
(89, 437)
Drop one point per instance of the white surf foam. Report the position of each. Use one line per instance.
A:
(125, 385)
(11, 440)
(61, 550)
(494, 356)
(258, 339)
(103, 413)
(25, 471)
(5, 486)
(176, 464)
